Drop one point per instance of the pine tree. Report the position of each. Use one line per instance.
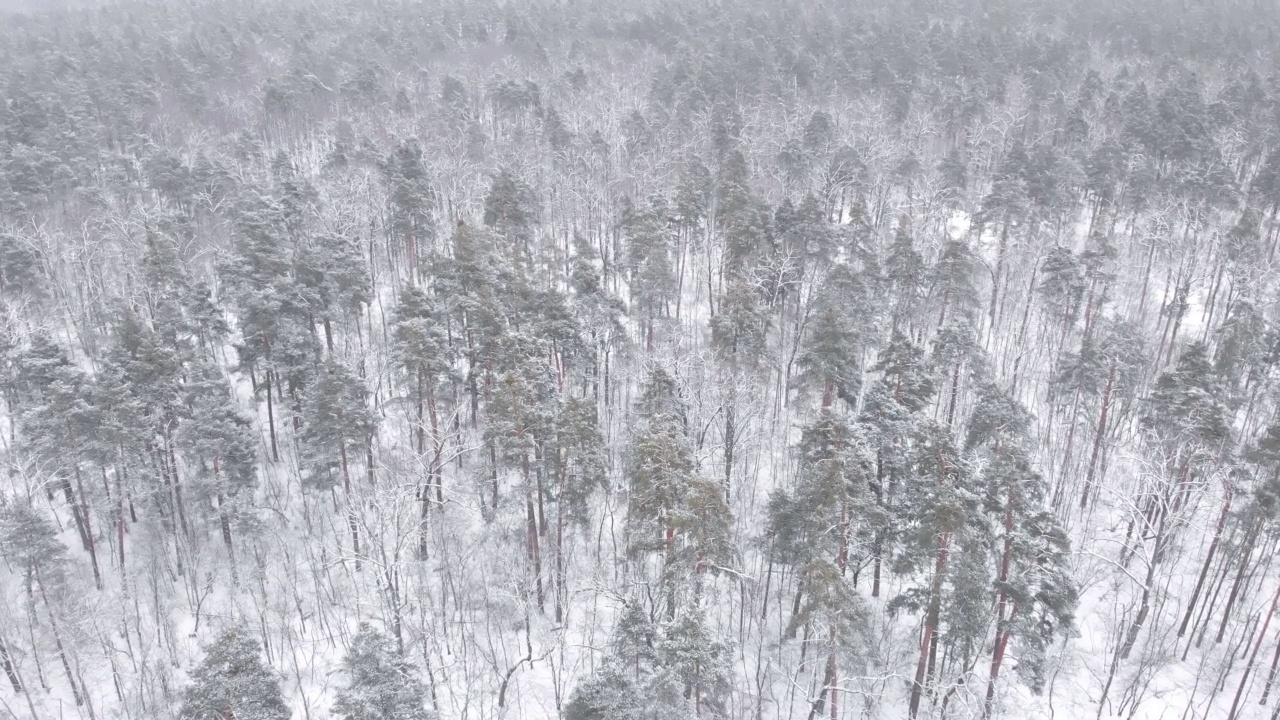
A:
(956, 355)
(1108, 367)
(20, 271)
(56, 411)
(518, 430)
(818, 519)
(905, 275)
(332, 280)
(663, 671)
(220, 437)
(952, 283)
(842, 325)
(698, 663)
(511, 208)
(422, 351)
(409, 201)
(607, 695)
(740, 328)
(817, 529)
(906, 376)
(671, 509)
(379, 686)
(1062, 288)
(1244, 353)
(232, 682)
(469, 288)
(1184, 410)
(661, 472)
(578, 465)
(1035, 593)
(648, 248)
(30, 543)
(939, 519)
(257, 274)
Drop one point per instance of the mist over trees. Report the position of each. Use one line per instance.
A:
(639, 361)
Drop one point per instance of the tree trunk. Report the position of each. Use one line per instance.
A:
(1253, 656)
(730, 436)
(1146, 280)
(120, 528)
(177, 485)
(1208, 560)
(69, 494)
(6, 661)
(928, 640)
(667, 561)
(88, 530)
(1002, 629)
(1235, 587)
(531, 536)
(1066, 454)
(1131, 637)
(271, 418)
(877, 543)
(57, 642)
(1271, 676)
(828, 683)
(1098, 437)
(351, 515)
(955, 391)
(562, 585)
(1001, 249)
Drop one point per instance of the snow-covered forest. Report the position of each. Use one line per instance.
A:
(639, 360)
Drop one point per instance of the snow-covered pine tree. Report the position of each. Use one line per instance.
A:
(379, 685)
(232, 682)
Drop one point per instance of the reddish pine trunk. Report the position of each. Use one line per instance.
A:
(1271, 676)
(831, 663)
(1097, 440)
(1144, 608)
(531, 538)
(411, 249)
(88, 530)
(561, 581)
(877, 544)
(997, 660)
(57, 643)
(271, 419)
(7, 662)
(1002, 631)
(668, 559)
(1208, 560)
(351, 517)
(955, 391)
(177, 487)
(927, 639)
(730, 445)
(69, 494)
(421, 427)
(1235, 587)
(1066, 455)
(1146, 281)
(828, 683)
(842, 556)
(1001, 249)
(1253, 656)
(120, 527)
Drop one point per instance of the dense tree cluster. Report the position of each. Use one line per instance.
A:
(643, 360)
